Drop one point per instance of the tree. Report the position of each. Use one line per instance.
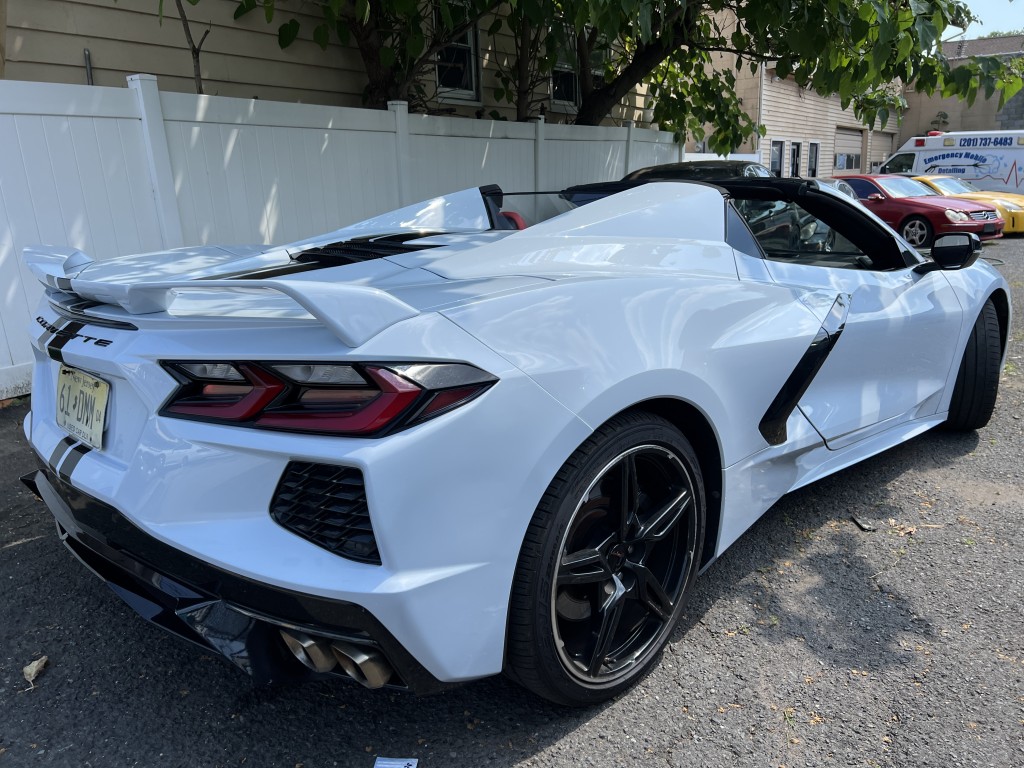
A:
(1008, 33)
(194, 48)
(862, 50)
(538, 35)
(856, 49)
(398, 40)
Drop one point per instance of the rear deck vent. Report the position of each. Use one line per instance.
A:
(354, 251)
(326, 504)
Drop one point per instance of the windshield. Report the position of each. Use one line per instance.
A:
(952, 186)
(897, 187)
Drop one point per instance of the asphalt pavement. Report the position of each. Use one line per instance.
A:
(811, 642)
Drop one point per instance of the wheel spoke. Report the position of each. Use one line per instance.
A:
(611, 612)
(585, 566)
(651, 593)
(630, 495)
(661, 523)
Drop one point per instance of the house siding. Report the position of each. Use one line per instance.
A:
(793, 114)
(45, 41)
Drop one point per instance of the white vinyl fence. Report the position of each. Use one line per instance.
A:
(113, 171)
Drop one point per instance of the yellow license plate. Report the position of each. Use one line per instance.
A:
(82, 405)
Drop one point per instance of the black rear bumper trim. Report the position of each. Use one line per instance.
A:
(171, 588)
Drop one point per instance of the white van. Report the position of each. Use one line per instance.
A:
(992, 160)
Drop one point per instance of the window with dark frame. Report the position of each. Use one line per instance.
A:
(794, 158)
(565, 80)
(775, 164)
(812, 159)
(565, 85)
(457, 68)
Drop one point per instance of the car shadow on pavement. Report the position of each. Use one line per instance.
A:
(804, 571)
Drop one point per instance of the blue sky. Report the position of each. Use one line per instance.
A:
(996, 15)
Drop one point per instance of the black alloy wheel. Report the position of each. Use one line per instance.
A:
(607, 563)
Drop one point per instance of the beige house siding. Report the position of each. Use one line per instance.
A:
(792, 114)
(922, 114)
(3, 35)
(923, 109)
(45, 41)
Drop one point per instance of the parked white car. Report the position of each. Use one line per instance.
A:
(432, 447)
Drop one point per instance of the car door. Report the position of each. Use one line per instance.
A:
(877, 201)
(898, 328)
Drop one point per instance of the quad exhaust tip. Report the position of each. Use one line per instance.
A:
(364, 665)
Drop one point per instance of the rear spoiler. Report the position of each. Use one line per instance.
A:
(354, 314)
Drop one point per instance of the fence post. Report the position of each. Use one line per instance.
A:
(154, 135)
(400, 109)
(629, 146)
(538, 155)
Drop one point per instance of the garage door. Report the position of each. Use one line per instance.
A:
(881, 148)
(848, 151)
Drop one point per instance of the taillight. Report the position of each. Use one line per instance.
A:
(368, 399)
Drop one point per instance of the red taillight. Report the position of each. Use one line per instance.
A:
(393, 398)
(231, 402)
(326, 398)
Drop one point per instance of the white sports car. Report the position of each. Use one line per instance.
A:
(465, 438)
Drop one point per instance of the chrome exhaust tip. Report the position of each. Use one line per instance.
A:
(363, 665)
(314, 654)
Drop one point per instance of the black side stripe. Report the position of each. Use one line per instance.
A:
(773, 423)
(68, 465)
(66, 334)
(51, 329)
(59, 451)
(291, 268)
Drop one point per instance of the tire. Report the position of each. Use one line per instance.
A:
(584, 629)
(977, 380)
(917, 231)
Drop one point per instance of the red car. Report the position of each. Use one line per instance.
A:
(918, 214)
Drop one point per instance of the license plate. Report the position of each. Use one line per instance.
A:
(82, 405)
(988, 229)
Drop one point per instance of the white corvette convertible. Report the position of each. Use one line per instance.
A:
(467, 437)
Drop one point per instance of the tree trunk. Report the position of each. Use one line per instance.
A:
(524, 60)
(599, 103)
(195, 50)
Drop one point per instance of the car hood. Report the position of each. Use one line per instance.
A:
(985, 198)
(942, 203)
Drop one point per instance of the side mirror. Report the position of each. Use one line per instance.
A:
(875, 197)
(953, 252)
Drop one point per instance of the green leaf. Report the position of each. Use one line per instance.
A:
(322, 36)
(287, 33)
(446, 14)
(244, 6)
(268, 10)
(904, 48)
(387, 58)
